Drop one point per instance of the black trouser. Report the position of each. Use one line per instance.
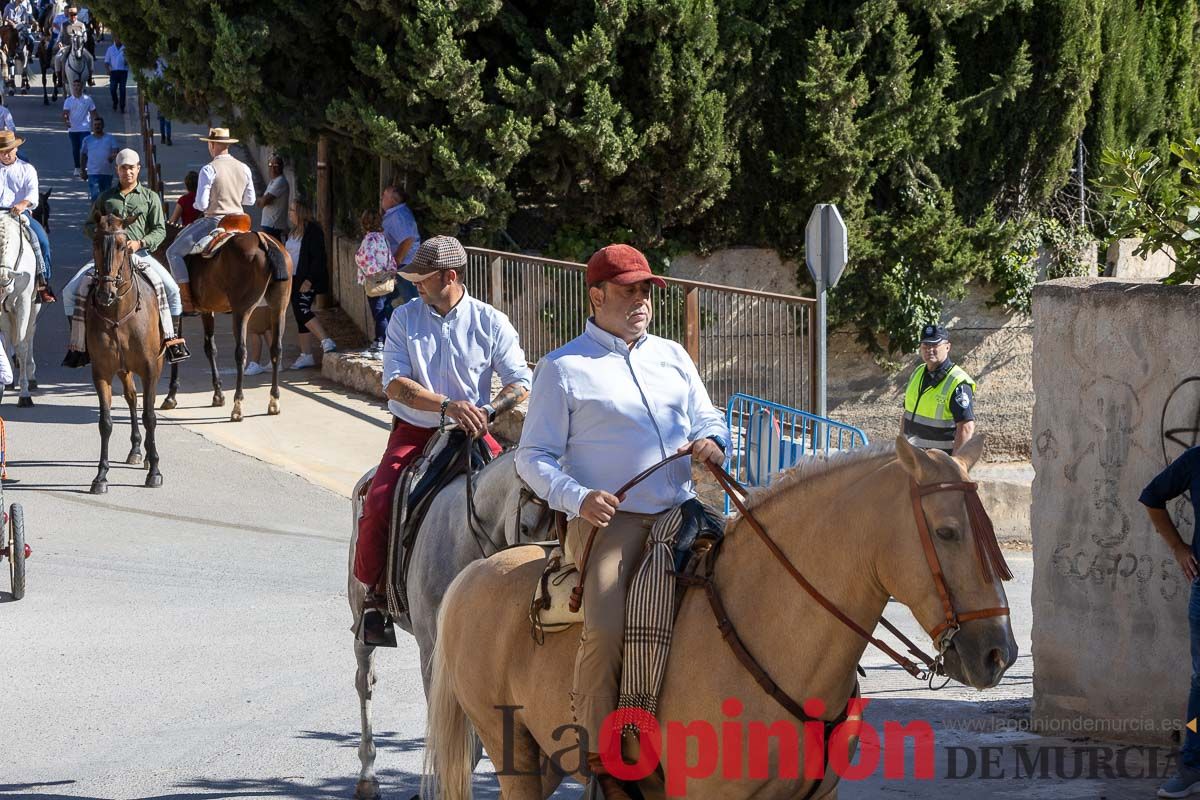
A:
(116, 86)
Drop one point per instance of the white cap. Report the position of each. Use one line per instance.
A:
(128, 156)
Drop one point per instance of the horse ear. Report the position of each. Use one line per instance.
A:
(127, 221)
(916, 462)
(969, 454)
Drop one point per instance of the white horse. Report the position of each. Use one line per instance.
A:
(444, 545)
(74, 62)
(18, 312)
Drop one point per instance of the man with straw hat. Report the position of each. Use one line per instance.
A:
(225, 186)
(19, 195)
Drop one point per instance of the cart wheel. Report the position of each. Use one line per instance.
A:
(16, 549)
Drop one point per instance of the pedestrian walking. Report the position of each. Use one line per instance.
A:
(274, 201)
(164, 124)
(306, 245)
(1182, 475)
(185, 212)
(404, 239)
(97, 154)
(77, 115)
(939, 404)
(118, 73)
(377, 275)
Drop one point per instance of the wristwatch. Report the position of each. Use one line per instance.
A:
(720, 442)
(491, 412)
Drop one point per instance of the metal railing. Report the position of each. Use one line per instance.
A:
(769, 438)
(741, 340)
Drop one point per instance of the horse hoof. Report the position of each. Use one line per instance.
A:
(367, 790)
(236, 416)
(153, 480)
(25, 402)
(218, 400)
(99, 487)
(134, 459)
(273, 407)
(168, 404)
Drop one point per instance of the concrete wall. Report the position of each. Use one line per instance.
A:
(1110, 639)
(1122, 263)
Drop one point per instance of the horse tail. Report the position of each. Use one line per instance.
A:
(449, 737)
(275, 257)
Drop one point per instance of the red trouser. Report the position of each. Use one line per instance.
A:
(405, 444)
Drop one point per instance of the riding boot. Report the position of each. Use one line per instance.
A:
(185, 297)
(176, 348)
(610, 786)
(45, 294)
(375, 625)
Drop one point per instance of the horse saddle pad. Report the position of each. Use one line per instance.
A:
(229, 226)
(550, 609)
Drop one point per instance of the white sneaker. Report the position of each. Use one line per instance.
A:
(328, 345)
(76, 172)
(304, 361)
(254, 368)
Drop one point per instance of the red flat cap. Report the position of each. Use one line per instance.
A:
(622, 265)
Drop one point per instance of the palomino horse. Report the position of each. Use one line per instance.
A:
(858, 542)
(18, 312)
(445, 544)
(124, 338)
(236, 279)
(74, 62)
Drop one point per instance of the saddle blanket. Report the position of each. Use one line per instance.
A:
(649, 605)
(227, 228)
(79, 332)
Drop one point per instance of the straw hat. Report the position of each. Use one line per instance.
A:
(218, 135)
(9, 140)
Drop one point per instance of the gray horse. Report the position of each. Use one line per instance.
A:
(74, 62)
(444, 546)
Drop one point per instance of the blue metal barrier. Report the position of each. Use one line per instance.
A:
(768, 438)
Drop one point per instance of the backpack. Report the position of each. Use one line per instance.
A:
(376, 274)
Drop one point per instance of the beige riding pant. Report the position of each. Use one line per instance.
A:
(616, 553)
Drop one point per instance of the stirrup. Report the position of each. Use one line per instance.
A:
(177, 351)
(375, 628)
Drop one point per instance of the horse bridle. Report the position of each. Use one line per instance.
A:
(990, 558)
(117, 281)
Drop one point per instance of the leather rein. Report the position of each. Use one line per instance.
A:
(990, 558)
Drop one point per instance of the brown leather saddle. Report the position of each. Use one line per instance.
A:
(229, 226)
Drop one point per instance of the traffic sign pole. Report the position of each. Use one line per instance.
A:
(825, 246)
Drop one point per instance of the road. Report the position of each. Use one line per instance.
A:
(192, 641)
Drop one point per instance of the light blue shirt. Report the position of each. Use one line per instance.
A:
(454, 355)
(398, 225)
(601, 412)
(98, 153)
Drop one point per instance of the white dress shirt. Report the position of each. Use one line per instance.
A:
(115, 58)
(454, 355)
(19, 12)
(18, 181)
(208, 175)
(601, 412)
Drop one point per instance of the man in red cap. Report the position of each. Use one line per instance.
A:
(604, 407)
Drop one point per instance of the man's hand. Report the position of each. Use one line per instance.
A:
(1187, 560)
(598, 507)
(704, 450)
(19, 208)
(133, 245)
(470, 418)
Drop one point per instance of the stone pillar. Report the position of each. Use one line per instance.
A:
(1116, 375)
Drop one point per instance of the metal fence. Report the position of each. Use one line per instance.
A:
(768, 438)
(741, 340)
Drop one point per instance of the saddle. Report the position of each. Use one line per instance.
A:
(229, 226)
(448, 455)
(699, 532)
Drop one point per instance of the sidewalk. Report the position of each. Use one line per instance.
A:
(324, 433)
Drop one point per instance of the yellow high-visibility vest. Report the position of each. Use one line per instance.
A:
(928, 421)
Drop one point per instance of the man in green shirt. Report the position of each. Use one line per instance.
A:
(146, 232)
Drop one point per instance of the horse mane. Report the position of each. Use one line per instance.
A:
(817, 466)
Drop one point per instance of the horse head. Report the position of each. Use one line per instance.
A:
(945, 564)
(78, 40)
(110, 252)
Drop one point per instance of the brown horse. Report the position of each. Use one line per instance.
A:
(124, 339)
(236, 279)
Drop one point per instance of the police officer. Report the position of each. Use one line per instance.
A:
(939, 404)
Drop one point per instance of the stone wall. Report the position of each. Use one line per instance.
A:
(1115, 364)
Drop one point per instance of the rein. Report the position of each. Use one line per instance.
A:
(117, 281)
(987, 549)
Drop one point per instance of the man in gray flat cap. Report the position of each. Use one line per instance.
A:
(438, 359)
